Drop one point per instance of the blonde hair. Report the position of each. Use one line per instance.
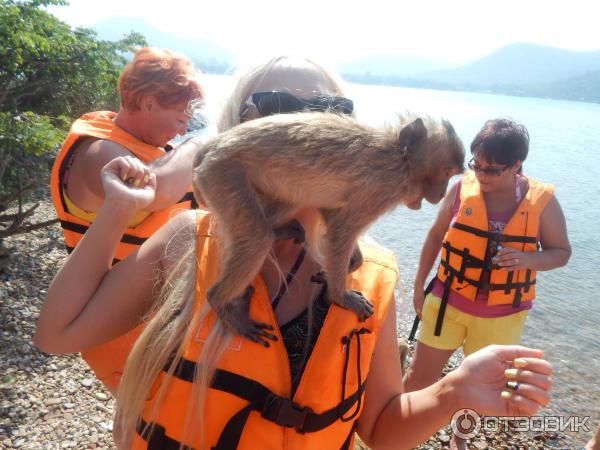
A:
(249, 78)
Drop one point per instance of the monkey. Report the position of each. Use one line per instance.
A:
(254, 176)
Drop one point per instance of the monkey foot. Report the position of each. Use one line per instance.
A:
(236, 317)
(291, 230)
(355, 301)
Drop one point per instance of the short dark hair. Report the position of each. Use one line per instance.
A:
(502, 141)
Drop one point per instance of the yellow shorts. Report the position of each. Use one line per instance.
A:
(470, 332)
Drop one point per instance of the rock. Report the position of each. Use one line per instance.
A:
(87, 382)
(53, 401)
(101, 396)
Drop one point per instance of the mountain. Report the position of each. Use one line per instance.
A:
(207, 55)
(585, 88)
(391, 65)
(520, 64)
(519, 69)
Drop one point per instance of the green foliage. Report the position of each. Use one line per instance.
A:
(49, 75)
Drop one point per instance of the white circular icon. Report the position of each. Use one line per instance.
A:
(465, 423)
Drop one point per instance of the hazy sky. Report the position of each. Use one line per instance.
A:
(332, 30)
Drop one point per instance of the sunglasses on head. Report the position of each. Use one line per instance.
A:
(495, 171)
(276, 102)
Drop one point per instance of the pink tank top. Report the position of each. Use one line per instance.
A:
(479, 307)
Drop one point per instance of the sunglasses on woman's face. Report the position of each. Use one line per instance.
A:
(276, 102)
(494, 171)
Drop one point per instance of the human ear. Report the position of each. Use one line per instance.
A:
(147, 102)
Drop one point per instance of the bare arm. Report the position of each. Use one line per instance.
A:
(393, 420)
(556, 249)
(89, 302)
(431, 247)
(173, 173)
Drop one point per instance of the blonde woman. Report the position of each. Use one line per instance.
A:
(188, 384)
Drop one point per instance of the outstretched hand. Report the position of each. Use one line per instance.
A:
(128, 181)
(504, 380)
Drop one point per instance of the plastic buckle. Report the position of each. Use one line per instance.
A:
(285, 413)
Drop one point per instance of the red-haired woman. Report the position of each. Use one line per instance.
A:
(158, 91)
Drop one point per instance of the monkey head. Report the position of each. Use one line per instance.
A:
(433, 161)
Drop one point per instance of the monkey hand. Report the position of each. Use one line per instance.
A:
(127, 180)
(291, 230)
(235, 316)
(355, 301)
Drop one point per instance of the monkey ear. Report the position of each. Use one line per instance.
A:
(412, 133)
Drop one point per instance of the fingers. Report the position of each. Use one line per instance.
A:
(527, 401)
(513, 352)
(134, 172)
(510, 259)
(130, 170)
(528, 385)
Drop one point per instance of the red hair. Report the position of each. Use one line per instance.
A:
(172, 79)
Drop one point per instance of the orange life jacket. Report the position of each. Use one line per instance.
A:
(249, 404)
(466, 253)
(107, 360)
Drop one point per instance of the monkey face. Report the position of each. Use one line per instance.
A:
(435, 186)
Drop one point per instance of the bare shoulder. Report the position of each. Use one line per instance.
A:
(106, 150)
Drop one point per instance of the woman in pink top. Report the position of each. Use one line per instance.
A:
(496, 185)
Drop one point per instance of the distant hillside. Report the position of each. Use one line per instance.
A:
(391, 65)
(519, 69)
(521, 64)
(585, 88)
(210, 57)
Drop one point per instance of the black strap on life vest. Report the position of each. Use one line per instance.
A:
(519, 287)
(442, 312)
(415, 326)
(156, 438)
(81, 229)
(272, 407)
(348, 441)
(189, 197)
(347, 342)
(507, 287)
(493, 235)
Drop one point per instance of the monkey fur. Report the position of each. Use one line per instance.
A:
(254, 176)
